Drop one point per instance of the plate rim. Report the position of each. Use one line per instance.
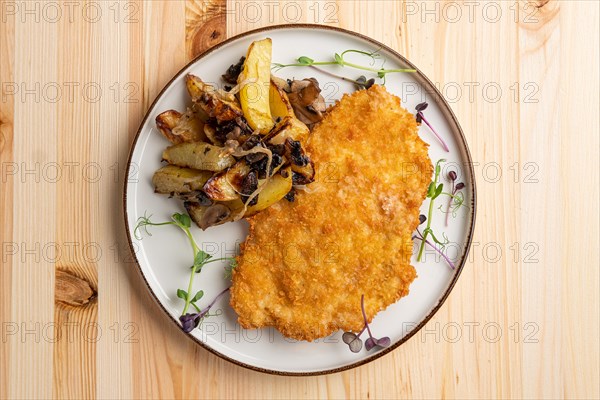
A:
(455, 128)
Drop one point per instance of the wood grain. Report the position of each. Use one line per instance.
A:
(7, 109)
(542, 133)
(205, 25)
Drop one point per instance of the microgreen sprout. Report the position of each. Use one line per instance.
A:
(433, 246)
(340, 60)
(201, 258)
(455, 197)
(436, 189)
(191, 321)
(353, 339)
(421, 117)
(361, 82)
(433, 192)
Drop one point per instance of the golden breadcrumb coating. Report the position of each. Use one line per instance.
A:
(305, 265)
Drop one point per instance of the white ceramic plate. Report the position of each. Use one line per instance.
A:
(164, 257)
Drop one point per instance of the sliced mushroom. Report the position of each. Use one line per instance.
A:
(205, 217)
(214, 215)
(306, 100)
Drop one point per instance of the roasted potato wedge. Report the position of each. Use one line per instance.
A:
(172, 179)
(227, 185)
(274, 190)
(198, 155)
(279, 103)
(179, 128)
(207, 216)
(255, 79)
(215, 104)
(288, 128)
(210, 133)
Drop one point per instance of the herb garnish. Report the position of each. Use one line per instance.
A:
(421, 117)
(433, 192)
(436, 189)
(201, 258)
(338, 59)
(353, 339)
(361, 82)
(456, 198)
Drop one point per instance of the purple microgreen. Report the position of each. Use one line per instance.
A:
(433, 246)
(422, 219)
(370, 343)
(355, 346)
(353, 341)
(361, 82)
(421, 118)
(455, 197)
(191, 321)
(362, 308)
(421, 106)
(349, 337)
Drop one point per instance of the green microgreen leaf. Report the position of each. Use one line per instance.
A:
(438, 190)
(182, 294)
(182, 219)
(198, 296)
(305, 60)
(201, 258)
(431, 189)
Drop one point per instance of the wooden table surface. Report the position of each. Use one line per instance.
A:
(77, 78)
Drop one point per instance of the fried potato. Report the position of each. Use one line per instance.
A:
(255, 79)
(179, 128)
(305, 265)
(288, 128)
(274, 190)
(198, 155)
(279, 104)
(177, 180)
(227, 185)
(215, 104)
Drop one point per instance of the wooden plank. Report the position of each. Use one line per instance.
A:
(539, 51)
(34, 206)
(7, 109)
(161, 350)
(76, 279)
(579, 183)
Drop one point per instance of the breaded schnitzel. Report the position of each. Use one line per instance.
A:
(305, 265)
